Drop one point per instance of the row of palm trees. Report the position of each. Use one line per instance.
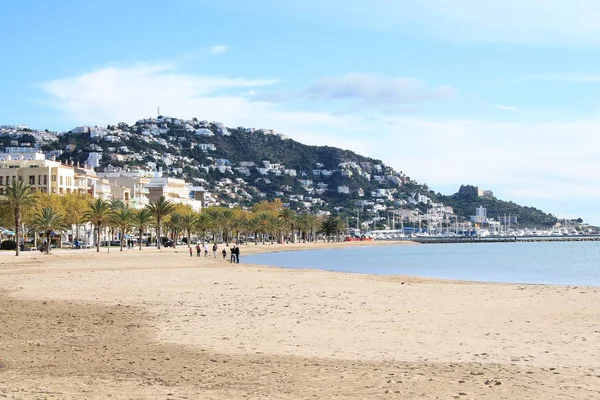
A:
(266, 221)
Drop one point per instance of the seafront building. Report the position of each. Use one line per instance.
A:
(135, 188)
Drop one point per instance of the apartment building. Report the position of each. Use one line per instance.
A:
(43, 175)
(135, 181)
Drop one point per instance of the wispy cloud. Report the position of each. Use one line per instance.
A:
(574, 78)
(375, 89)
(503, 107)
(219, 49)
(123, 92)
(359, 92)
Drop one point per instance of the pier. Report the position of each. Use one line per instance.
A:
(503, 239)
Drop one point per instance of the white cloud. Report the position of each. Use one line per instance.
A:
(372, 89)
(539, 164)
(219, 49)
(503, 107)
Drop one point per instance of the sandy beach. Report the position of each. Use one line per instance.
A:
(156, 324)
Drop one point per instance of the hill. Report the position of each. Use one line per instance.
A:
(241, 166)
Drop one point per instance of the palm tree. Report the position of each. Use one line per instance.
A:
(227, 223)
(19, 195)
(253, 226)
(48, 221)
(122, 219)
(115, 205)
(98, 213)
(203, 224)
(188, 221)
(216, 220)
(174, 225)
(307, 222)
(332, 226)
(159, 209)
(265, 222)
(289, 218)
(142, 221)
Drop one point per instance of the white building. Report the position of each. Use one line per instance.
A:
(94, 159)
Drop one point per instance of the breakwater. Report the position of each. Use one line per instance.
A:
(504, 239)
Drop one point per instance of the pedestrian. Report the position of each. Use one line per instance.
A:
(191, 253)
(215, 247)
(237, 254)
(205, 249)
(232, 258)
(224, 252)
(198, 250)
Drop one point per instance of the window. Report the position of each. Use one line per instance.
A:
(53, 178)
(1, 191)
(7, 180)
(45, 179)
(20, 178)
(1, 180)
(32, 179)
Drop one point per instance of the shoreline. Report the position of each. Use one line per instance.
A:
(159, 322)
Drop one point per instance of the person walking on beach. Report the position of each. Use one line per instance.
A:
(215, 247)
(232, 258)
(205, 249)
(191, 253)
(198, 250)
(237, 254)
(224, 252)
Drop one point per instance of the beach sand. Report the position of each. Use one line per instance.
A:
(160, 324)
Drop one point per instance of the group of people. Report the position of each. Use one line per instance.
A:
(234, 252)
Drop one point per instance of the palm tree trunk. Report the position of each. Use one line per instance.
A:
(17, 229)
(158, 233)
(121, 241)
(98, 239)
(48, 242)
(140, 239)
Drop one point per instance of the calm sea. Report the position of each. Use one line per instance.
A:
(560, 263)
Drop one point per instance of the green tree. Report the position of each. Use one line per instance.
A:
(188, 221)
(264, 221)
(203, 224)
(228, 219)
(160, 208)
(48, 220)
(174, 225)
(288, 216)
(307, 223)
(19, 196)
(98, 213)
(142, 220)
(332, 226)
(122, 219)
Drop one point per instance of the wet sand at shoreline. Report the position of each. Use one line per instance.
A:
(160, 324)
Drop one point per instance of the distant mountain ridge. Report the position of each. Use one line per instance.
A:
(243, 165)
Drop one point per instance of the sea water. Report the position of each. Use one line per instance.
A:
(557, 263)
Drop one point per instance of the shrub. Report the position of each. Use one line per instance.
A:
(8, 245)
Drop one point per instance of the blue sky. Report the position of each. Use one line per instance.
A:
(504, 96)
